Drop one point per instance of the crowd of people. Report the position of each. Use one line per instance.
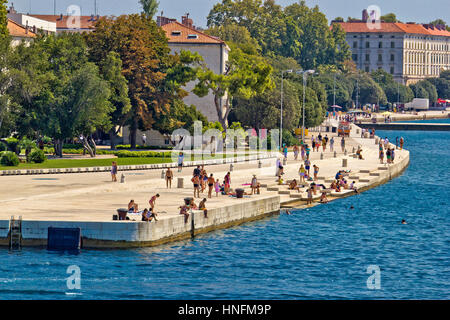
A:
(204, 183)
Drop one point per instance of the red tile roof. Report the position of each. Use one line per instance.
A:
(86, 22)
(387, 27)
(185, 31)
(16, 30)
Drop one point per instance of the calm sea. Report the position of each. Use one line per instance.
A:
(320, 253)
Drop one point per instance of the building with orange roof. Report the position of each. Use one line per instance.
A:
(19, 33)
(409, 51)
(184, 36)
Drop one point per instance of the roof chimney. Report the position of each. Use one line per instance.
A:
(11, 9)
(365, 15)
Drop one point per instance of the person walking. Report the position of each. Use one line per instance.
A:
(343, 144)
(308, 166)
(114, 171)
(332, 144)
(169, 178)
(302, 173)
(295, 152)
(196, 182)
(316, 172)
(152, 202)
(227, 180)
(402, 141)
(210, 185)
(180, 161)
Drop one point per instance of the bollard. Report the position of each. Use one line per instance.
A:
(353, 150)
(344, 163)
(231, 167)
(345, 152)
(335, 154)
(259, 164)
(284, 161)
(122, 178)
(180, 183)
(321, 156)
(163, 174)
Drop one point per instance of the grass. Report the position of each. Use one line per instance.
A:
(83, 163)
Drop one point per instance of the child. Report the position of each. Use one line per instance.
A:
(217, 187)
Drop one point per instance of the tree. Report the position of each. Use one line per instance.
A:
(246, 76)
(425, 89)
(111, 72)
(390, 17)
(367, 90)
(59, 92)
(4, 34)
(145, 56)
(338, 19)
(442, 85)
(263, 111)
(4, 75)
(438, 22)
(395, 92)
(149, 7)
(237, 35)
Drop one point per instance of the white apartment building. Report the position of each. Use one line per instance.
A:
(409, 51)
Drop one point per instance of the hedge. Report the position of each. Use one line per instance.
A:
(9, 159)
(36, 156)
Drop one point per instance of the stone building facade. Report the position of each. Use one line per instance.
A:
(409, 51)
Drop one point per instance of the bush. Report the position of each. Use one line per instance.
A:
(9, 159)
(127, 146)
(2, 146)
(36, 156)
(13, 144)
(72, 146)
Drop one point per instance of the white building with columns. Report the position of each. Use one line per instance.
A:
(409, 51)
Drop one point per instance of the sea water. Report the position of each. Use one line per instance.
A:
(326, 252)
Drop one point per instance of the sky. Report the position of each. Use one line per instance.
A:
(406, 10)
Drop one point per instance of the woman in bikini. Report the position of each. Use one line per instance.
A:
(169, 177)
(196, 181)
(210, 185)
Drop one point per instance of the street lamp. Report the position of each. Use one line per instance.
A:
(305, 75)
(281, 115)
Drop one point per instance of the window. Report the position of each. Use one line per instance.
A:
(355, 44)
(367, 36)
(392, 70)
(192, 36)
(355, 57)
(367, 69)
(380, 45)
(392, 44)
(367, 57)
(367, 44)
(380, 58)
(392, 57)
(380, 36)
(176, 33)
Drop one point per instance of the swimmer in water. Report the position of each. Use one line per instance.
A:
(404, 221)
(352, 207)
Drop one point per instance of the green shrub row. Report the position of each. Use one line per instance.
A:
(128, 146)
(9, 159)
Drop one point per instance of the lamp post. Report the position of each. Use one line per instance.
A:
(305, 75)
(281, 111)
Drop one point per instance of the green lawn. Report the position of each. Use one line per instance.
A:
(72, 163)
(77, 163)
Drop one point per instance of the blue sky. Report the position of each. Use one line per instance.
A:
(406, 10)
